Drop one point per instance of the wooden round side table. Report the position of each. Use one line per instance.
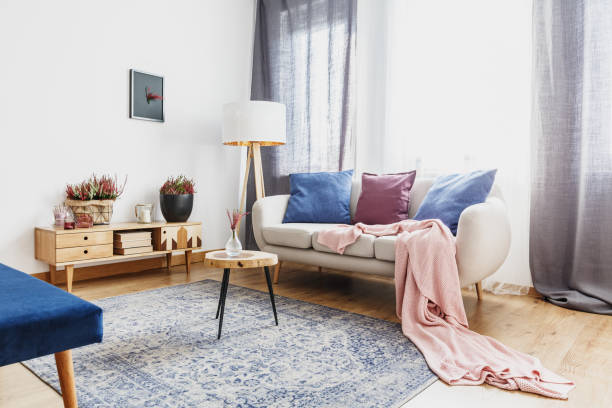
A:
(246, 259)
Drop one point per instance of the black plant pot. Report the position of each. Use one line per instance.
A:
(176, 207)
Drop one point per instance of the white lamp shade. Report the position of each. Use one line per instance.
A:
(254, 122)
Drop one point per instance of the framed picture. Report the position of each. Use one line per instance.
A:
(146, 96)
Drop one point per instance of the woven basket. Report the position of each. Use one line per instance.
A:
(100, 210)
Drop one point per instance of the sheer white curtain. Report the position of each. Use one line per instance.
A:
(449, 91)
(303, 57)
(572, 160)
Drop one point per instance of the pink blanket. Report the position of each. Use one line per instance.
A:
(430, 307)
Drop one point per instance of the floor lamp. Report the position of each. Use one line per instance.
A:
(253, 124)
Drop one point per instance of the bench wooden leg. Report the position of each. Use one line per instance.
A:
(188, 261)
(69, 276)
(65, 371)
(479, 289)
(277, 271)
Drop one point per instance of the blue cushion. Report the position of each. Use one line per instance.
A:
(450, 195)
(37, 319)
(320, 197)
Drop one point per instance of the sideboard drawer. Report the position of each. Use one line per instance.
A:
(177, 237)
(82, 239)
(84, 252)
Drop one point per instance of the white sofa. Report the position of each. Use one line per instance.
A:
(483, 238)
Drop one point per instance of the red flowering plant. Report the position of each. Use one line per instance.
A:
(103, 187)
(234, 218)
(178, 185)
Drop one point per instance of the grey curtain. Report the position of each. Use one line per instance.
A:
(304, 56)
(571, 208)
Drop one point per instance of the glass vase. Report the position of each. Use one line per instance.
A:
(233, 247)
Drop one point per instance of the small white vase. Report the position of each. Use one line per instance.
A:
(233, 247)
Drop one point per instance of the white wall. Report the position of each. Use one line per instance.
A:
(455, 77)
(64, 106)
(371, 57)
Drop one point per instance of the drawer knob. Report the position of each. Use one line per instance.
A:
(85, 252)
(85, 237)
(163, 232)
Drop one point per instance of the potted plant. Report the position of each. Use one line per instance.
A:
(176, 198)
(94, 198)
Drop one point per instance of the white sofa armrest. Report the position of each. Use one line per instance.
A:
(268, 211)
(483, 240)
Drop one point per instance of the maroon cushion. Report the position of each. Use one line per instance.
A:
(385, 198)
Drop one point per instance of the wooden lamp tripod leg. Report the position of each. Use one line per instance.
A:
(254, 154)
(244, 184)
(260, 188)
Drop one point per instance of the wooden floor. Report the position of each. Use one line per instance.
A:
(574, 344)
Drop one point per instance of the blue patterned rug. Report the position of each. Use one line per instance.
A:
(160, 349)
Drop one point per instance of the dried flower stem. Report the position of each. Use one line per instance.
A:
(234, 218)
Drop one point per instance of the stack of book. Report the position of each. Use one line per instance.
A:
(132, 242)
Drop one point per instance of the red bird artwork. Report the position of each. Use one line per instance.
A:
(152, 96)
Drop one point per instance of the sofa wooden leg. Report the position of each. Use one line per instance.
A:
(479, 289)
(277, 271)
(65, 371)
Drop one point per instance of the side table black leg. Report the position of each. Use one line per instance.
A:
(226, 273)
(223, 283)
(267, 270)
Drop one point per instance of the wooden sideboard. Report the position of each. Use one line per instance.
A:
(60, 247)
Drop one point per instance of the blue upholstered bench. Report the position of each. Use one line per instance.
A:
(37, 319)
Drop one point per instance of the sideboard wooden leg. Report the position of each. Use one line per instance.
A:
(65, 372)
(277, 271)
(168, 260)
(69, 277)
(52, 274)
(479, 290)
(320, 269)
(188, 261)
